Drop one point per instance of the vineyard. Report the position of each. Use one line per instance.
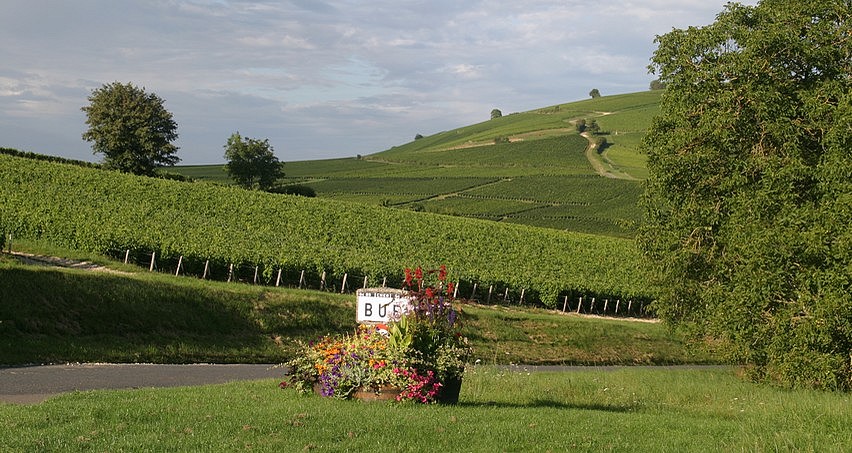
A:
(106, 212)
(540, 177)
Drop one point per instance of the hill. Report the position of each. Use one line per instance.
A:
(530, 168)
(107, 212)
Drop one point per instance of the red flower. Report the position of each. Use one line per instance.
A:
(450, 289)
(442, 273)
(429, 293)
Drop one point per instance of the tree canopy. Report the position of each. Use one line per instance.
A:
(131, 128)
(252, 163)
(749, 200)
(595, 93)
(496, 113)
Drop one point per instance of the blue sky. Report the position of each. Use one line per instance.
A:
(319, 79)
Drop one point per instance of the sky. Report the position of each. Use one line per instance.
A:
(318, 79)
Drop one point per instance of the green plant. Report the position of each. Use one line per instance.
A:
(340, 365)
(131, 128)
(419, 353)
(436, 341)
(748, 230)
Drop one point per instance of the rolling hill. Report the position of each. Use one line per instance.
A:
(531, 168)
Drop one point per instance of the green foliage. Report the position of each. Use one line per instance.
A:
(295, 189)
(30, 155)
(749, 201)
(251, 162)
(131, 128)
(657, 85)
(496, 113)
(109, 212)
(595, 93)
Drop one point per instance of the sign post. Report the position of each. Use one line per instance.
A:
(381, 305)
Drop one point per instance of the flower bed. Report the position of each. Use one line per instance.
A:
(419, 357)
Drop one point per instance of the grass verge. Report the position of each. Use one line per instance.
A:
(54, 315)
(624, 410)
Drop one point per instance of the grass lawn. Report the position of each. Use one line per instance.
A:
(499, 410)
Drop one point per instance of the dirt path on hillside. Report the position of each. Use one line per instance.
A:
(44, 260)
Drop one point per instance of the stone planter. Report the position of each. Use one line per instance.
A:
(383, 393)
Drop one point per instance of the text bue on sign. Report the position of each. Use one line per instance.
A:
(381, 305)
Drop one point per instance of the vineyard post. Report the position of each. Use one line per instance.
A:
(365, 282)
(473, 293)
(564, 304)
(322, 281)
(384, 282)
(180, 261)
(230, 272)
(506, 295)
(490, 290)
(301, 279)
(151, 267)
(456, 290)
(592, 307)
(617, 303)
(606, 304)
(206, 268)
(10, 242)
(579, 304)
(255, 274)
(126, 256)
(523, 290)
(343, 283)
(278, 279)
(629, 306)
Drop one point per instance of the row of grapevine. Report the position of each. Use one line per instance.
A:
(107, 212)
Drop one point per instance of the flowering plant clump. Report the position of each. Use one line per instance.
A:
(436, 340)
(341, 365)
(421, 354)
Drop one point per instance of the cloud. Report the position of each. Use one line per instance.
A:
(319, 78)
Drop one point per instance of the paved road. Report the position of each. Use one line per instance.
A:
(33, 384)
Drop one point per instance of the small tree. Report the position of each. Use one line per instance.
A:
(592, 126)
(657, 85)
(496, 113)
(252, 163)
(595, 93)
(131, 128)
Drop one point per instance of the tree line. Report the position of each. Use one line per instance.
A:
(134, 132)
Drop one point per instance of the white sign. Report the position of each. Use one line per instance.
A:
(381, 305)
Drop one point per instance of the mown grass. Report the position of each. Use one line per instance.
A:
(499, 410)
(54, 315)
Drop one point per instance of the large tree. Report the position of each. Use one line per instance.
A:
(251, 162)
(749, 199)
(131, 128)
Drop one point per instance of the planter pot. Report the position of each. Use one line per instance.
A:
(383, 393)
(449, 393)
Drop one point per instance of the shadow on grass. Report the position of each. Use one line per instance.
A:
(49, 315)
(549, 404)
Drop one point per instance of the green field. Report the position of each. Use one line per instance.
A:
(498, 410)
(541, 176)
